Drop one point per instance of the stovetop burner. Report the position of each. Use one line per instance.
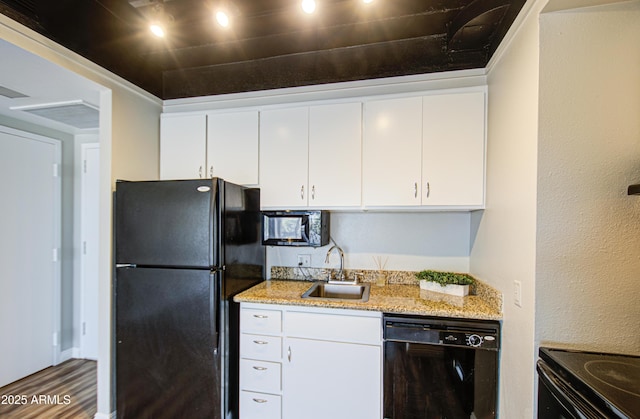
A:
(623, 376)
(612, 379)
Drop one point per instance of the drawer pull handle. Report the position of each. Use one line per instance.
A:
(260, 342)
(260, 400)
(257, 368)
(260, 316)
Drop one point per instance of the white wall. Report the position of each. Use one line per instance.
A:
(129, 149)
(504, 247)
(564, 132)
(407, 241)
(588, 251)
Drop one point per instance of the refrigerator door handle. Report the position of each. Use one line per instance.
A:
(213, 225)
(214, 304)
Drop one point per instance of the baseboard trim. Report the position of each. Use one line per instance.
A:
(111, 415)
(68, 354)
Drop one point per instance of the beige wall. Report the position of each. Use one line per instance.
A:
(588, 247)
(563, 144)
(504, 248)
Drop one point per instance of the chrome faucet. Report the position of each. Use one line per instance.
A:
(340, 275)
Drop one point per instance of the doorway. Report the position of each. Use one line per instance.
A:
(29, 253)
(90, 248)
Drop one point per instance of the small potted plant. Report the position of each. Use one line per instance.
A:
(445, 282)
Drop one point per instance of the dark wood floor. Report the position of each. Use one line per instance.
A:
(65, 391)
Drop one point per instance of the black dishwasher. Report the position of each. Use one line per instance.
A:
(440, 368)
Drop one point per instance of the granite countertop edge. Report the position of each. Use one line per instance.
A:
(390, 298)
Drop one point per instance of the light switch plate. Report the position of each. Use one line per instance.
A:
(517, 293)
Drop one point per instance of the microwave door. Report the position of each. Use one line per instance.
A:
(289, 228)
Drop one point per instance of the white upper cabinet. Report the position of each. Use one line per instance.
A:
(183, 146)
(453, 149)
(221, 145)
(284, 153)
(232, 147)
(311, 156)
(392, 149)
(335, 158)
(425, 151)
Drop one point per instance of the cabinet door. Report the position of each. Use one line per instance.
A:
(453, 150)
(392, 148)
(335, 155)
(183, 146)
(348, 374)
(232, 147)
(284, 154)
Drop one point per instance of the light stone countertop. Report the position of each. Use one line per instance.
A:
(390, 298)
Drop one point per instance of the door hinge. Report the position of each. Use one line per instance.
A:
(84, 247)
(84, 165)
(55, 338)
(55, 255)
(84, 328)
(56, 170)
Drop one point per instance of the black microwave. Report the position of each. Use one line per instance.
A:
(295, 228)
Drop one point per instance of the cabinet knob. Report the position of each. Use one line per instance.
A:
(260, 316)
(211, 171)
(289, 354)
(200, 172)
(415, 189)
(260, 342)
(302, 192)
(260, 400)
(313, 192)
(428, 190)
(257, 368)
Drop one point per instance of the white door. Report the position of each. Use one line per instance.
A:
(90, 204)
(349, 374)
(392, 152)
(232, 147)
(453, 149)
(284, 157)
(335, 155)
(29, 246)
(183, 146)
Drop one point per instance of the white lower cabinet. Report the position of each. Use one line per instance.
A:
(330, 364)
(255, 405)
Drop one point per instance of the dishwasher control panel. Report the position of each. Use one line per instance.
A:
(442, 331)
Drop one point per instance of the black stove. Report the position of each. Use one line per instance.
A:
(574, 384)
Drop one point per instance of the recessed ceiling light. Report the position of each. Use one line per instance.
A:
(157, 29)
(222, 18)
(309, 6)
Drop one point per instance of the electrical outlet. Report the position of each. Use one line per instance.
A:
(304, 260)
(517, 293)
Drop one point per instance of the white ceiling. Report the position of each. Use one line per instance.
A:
(44, 83)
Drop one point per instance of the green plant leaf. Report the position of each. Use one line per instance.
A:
(445, 278)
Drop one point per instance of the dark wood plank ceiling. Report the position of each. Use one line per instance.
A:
(271, 44)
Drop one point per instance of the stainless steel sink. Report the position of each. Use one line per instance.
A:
(333, 291)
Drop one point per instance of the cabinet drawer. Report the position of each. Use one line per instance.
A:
(268, 348)
(260, 376)
(261, 321)
(260, 406)
(335, 327)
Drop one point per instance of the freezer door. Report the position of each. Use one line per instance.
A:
(167, 223)
(167, 365)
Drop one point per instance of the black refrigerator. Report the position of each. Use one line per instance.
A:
(183, 249)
